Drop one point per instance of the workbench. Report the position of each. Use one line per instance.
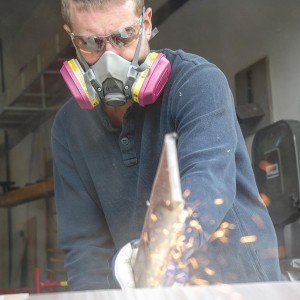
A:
(284, 290)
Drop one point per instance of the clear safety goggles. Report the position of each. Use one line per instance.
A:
(119, 39)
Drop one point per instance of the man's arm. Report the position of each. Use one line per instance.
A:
(82, 230)
(204, 118)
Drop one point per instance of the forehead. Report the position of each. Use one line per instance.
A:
(102, 20)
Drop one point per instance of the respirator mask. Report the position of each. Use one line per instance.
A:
(114, 80)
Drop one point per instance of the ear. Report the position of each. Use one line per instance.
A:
(68, 31)
(67, 28)
(148, 22)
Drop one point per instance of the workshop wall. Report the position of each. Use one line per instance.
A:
(237, 33)
(31, 228)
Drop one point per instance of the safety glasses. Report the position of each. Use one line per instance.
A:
(119, 39)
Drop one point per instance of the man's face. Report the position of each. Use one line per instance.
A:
(105, 21)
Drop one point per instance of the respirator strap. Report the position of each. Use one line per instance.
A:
(145, 65)
(138, 48)
(89, 78)
(154, 32)
(135, 67)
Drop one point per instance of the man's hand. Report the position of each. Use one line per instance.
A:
(123, 265)
(123, 269)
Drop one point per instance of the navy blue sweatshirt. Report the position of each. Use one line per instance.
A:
(103, 178)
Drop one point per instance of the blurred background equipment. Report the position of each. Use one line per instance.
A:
(275, 156)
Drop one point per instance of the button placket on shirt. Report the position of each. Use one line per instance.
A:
(126, 142)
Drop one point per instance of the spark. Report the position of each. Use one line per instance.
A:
(177, 226)
(145, 236)
(153, 217)
(181, 277)
(222, 233)
(265, 199)
(195, 224)
(224, 225)
(198, 281)
(218, 201)
(189, 230)
(165, 231)
(189, 211)
(181, 265)
(193, 262)
(219, 233)
(186, 193)
(258, 221)
(263, 165)
(168, 202)
(177, 255)
(190, 243)
(181, 238)
(248, 239)
(209, 271)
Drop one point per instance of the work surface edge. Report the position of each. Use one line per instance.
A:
(257, 291)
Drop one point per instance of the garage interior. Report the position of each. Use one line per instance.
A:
(256, 44)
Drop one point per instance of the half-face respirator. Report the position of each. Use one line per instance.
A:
(114, 80)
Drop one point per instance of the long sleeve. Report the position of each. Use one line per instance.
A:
(217, 179)
(82, 229)
(207, 143)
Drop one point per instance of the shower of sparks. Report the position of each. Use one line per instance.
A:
(248, 239)
(181, 255)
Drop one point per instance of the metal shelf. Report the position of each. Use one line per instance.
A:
(28, 193)
(37, 103)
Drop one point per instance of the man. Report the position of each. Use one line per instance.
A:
(105, 159)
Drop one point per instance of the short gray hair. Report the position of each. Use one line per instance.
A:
(86, 4)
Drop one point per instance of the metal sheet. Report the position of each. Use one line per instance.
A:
(164, 220)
